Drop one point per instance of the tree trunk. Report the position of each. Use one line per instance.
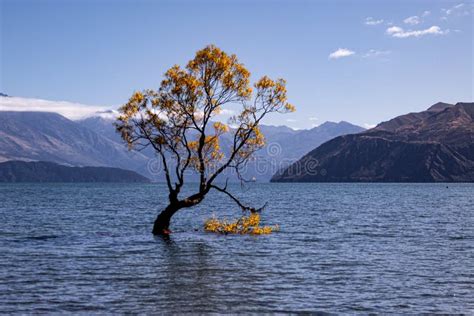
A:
(162, 221)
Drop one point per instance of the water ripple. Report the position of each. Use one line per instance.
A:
(342, 248)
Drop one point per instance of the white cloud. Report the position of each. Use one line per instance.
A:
(412, 20)
(341, 52)
(68, 109)
(376, 53)
(369, 126)
(291, 120)
(394, 29)
(371, 21)
(226, 112)
(73, 111)
(313, 118)
(107, 114)
(426, 13)
(398, 32)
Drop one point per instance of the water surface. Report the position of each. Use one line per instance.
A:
(351, 248)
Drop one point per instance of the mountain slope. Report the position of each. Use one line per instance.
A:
(311, 138)
(43, 136)
(40, 171)
(431, 146)
(102, 126)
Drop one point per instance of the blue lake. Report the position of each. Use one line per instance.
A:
(343, 248)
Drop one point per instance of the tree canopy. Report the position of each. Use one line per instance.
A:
(179, 121)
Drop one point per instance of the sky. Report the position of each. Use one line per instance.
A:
(357, 61)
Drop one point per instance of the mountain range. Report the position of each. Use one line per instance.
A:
(280, 147)
(429, 146)
(436, 145)
(93, 141)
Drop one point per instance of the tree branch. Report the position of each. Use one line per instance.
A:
(242, 206)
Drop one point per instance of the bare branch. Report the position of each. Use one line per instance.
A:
(242, 206)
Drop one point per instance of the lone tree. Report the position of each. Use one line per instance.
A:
(177, 122)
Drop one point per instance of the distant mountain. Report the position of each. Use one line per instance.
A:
(436, 145)
(40, 171)
(103, 126)
(43, 136)
(283, 147)
(3, 95)
(283, 144)
(294, 145)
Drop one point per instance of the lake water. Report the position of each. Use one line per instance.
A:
(343, 248)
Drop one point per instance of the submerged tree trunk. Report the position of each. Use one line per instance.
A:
(162, 221)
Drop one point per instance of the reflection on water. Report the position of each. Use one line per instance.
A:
(403, 248)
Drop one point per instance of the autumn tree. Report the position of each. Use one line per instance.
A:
(178, 122)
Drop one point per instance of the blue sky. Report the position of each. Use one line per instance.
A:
(393, 56)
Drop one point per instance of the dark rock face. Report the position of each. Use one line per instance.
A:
(436, 145)
(40, 171)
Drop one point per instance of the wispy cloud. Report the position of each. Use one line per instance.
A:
(453, 9)
(412, 20)
(376, 53)
(425, 13)
(340, 53)
(313, 118)
(68, 109)
(396, 31)
(369, 126)
(371, 21)
(344, 52)
(458, 10)
(291, 120)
